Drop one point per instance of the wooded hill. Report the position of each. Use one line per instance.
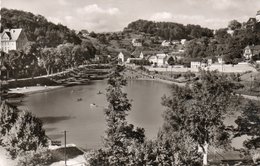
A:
(169, 30)
(38, 28)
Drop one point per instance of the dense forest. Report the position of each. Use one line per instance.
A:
(203, 42)
(228, 45)
(169, 30)
(38, 28)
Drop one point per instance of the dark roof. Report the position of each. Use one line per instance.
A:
(258, 12)
(126, 54)
(136, 53)
(13, 34)
(9, 35)
(251, 20)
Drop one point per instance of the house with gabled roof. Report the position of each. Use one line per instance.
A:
(13, 39)
(135, 57)
(122, 57)
(251, 51)
(158, 59)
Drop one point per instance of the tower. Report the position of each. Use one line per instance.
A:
(258, 16)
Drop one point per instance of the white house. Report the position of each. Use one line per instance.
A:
(251, 51)
(183, 41)
(162, 59)
(195, 64)
(13, 39)
(210, 62)
(159, 59)
(175, 42)
(198, 64)
(121, 58)
(141, 55)
(221, 60)
(166, 43)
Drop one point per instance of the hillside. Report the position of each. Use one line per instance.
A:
(169, 30)
(37, 28)
(151, 34)
(202, 42)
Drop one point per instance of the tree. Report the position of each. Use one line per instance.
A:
(41, 156)
(93, 34)
(248, 123)
(174, 132)
(196, 112)
(120, 136)
(8, 116)
(47, 59)
(171, 61)
(64, 51)
(234, 24)
(77, 56)
(26, 134)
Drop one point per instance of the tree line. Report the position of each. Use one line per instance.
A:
(35, 61)
(51, 48)
(169, 30)
(223, 44)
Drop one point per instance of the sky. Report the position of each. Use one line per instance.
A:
(114, 15)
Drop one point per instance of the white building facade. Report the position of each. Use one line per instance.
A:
(13, 39)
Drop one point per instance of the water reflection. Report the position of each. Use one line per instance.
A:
(60, 109)
(56, 119)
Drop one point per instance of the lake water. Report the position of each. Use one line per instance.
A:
(60, 110)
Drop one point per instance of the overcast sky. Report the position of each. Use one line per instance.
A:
(114, 15)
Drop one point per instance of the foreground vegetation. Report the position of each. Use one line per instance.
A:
(193, 124)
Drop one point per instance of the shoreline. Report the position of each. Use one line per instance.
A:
(34, 89)
(160, 80)
(40, 89)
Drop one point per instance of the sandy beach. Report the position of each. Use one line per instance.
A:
(33, 89)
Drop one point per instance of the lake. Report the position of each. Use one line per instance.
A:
(72, 109)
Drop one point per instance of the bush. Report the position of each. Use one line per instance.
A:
(35, 158)
(26, 134)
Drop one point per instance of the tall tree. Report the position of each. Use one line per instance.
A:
(234, 25)
(26, 134)
(8, 116)
(199, 112)
(47, 59)
(248, 123)
(120, 135)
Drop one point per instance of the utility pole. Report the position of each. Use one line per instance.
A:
(65, 155)
(251, 80)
